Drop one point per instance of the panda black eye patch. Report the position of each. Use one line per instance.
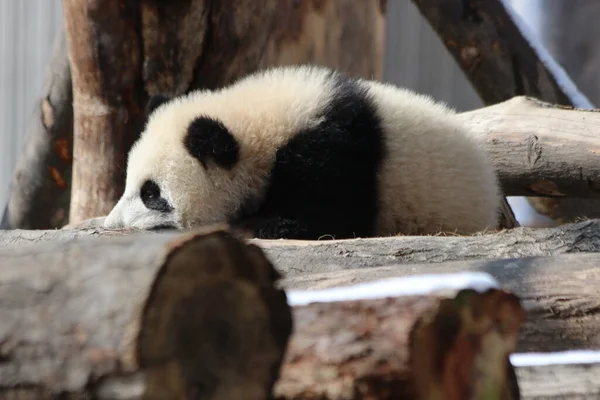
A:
(150, 195)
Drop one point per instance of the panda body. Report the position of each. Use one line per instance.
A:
(306, 152)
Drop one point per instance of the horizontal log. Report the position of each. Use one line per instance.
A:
(135, 314)
(541, 149)
(405, 347)
(559, 293)
(558, 376)
(133, 319)
(294, 258)
(556, 290)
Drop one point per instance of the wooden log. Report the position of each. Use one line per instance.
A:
(541, 149)
(558, 376)
(41, 186)
(558, 290)
(135, 319)
(405, 347)
(136, 314)
(559, 293)
(502, 60)
(297, 257)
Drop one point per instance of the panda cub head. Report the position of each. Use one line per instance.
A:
(173, 171)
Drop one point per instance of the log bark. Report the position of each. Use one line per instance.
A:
(409, 347)
(136, 319)
(537, 264)
(41, 186)
(135, 314)
(297, 257)
(105, 58)
(559, 292)
(541, 149)
(502, 60)
(559, 381)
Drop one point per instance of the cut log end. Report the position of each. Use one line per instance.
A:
(461, 347)
(214, 326)
(196, 315)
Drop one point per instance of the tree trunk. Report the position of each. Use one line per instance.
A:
(121, 318)
(105, 58)
(41, 186)
(502, 60)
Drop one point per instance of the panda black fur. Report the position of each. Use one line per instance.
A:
(306, 152)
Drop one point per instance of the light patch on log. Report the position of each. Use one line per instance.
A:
(394, 287)
(556, 358)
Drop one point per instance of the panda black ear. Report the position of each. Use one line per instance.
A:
(208, 139)
(155, 101)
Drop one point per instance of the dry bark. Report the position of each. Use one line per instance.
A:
(41, 186)
(558, 291)
(501, 63)
(541, 149)
(136, 314)
(559, 381)
(413, 347)
(105, 57)
(130, 318)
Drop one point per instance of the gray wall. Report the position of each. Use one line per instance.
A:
(27, 30)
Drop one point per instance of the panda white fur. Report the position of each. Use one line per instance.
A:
(306, 152)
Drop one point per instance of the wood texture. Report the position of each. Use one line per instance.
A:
(403, 348)
(139, 311)
(41, 185)
(559, 292)
(559, 382)
(558, 287)
(541, 149)
(105, 57)
(500, 63)
(107, 319)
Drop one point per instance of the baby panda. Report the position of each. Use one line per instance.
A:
(306, 152)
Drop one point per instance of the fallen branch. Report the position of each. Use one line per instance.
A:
(554, 289)
(128, 317)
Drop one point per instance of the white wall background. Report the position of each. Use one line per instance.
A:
(415, 58)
